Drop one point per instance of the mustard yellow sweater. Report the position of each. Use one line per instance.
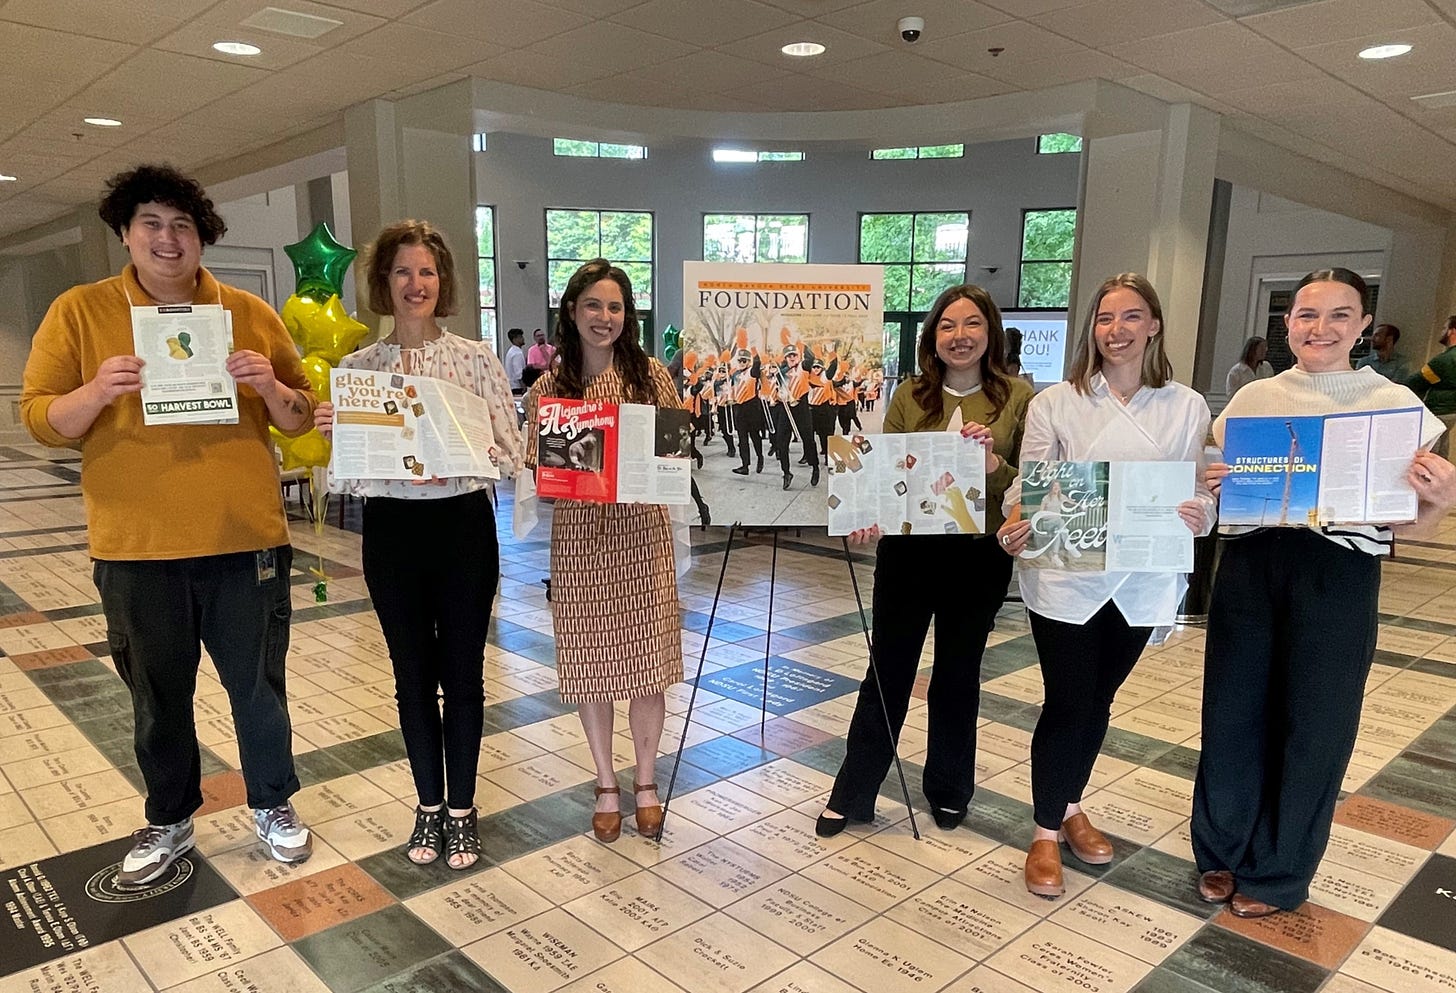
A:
(166, 491)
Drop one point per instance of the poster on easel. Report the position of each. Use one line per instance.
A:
(777, 361)
(929, 482)
(612, 453)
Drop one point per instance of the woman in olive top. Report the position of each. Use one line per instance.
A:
(965, 387)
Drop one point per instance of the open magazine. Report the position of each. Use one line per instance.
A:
(389, 426)
(1107, 516)
(613, 453)
(185, 379)
(928, 482)
(1317, 470)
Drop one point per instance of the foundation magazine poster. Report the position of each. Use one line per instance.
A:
(778, 359)
(612, 453)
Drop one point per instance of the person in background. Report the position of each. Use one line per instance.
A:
(1013, 356)
(1382, 357)
(1251, 366)
(797, 390)
(186, 524)
(516, 360)
(434, 609)
(1292, 628)
(539, 355)
(1436, 385)
(962, 354)
(1119, 404)
(614, 601)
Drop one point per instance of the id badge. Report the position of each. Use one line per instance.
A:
(267, 563)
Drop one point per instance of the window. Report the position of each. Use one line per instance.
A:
(1047, 237)
(923, 254)
(923, 152)
(755, 237)
(485, 271)
(749, 155)
(597, 149)
(577, 236)
(477, 141)
(1054, 144)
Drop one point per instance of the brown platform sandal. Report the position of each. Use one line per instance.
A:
(607, 826)
(649, 819)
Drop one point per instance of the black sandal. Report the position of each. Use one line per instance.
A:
(428, 834)
(462, 837)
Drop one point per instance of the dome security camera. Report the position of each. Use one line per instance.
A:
(911, 29)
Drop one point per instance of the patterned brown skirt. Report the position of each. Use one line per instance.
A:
(614, 601)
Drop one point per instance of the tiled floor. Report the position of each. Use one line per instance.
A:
(741, 896)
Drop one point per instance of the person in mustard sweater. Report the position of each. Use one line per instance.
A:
(186, 522)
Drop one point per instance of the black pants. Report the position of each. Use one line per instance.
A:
(748, 418)
(1291, 634)
(725, 424)
(432, 567)
(903, 607)
(803, 417)
(847, 416)
(780, 434)
(1082, 667)
(159, 614)
(823, 418)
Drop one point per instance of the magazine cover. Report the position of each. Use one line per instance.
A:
(1274, 472)
(612, 453)
(778, 359)
(930, 482)
(1066, 503)
(390, 426)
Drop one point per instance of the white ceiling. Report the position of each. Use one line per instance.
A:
(1283, 70)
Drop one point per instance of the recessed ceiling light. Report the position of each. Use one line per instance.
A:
(236, 48)
(803, 49)
(103, 122)
(1384, 51)
(6, 179)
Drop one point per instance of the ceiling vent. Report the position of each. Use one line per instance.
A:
(291, 23)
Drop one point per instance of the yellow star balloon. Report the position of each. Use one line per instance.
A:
(329, 331)
(295, 309)
(303, 452)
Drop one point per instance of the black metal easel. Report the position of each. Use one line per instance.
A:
(767, 653)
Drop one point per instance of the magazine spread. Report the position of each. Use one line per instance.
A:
(1316, 470)
(1107, 516)
(929, 482)
(613, 453)
(185, 379)
(389, 426)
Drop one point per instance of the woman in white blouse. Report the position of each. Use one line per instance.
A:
(431, 561)
(1250, 366)
(1120, 404)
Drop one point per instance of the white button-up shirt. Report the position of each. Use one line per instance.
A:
(1168, 424)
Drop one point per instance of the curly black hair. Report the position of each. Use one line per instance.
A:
(159, 184)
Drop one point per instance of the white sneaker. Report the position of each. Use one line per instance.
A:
(283, 833)
(156, 848)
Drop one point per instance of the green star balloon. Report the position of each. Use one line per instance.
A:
(319, 263)
(671, 342)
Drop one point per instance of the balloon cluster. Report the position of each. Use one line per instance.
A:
(671, 342)
(324, 333)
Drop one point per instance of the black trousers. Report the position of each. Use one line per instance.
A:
(904, 604)
(823, 417)
(749, 419)
(803, 417)
(847, 416)
(780, 434)
(1082, 667)
(1291, 634)
(432, 567)
(159, 614)
(725, 423)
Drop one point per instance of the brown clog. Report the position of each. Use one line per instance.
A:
(607, 826)
(649, 819)
(1086, 842)
(1044, 869)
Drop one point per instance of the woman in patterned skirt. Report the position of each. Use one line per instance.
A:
(613, 593)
